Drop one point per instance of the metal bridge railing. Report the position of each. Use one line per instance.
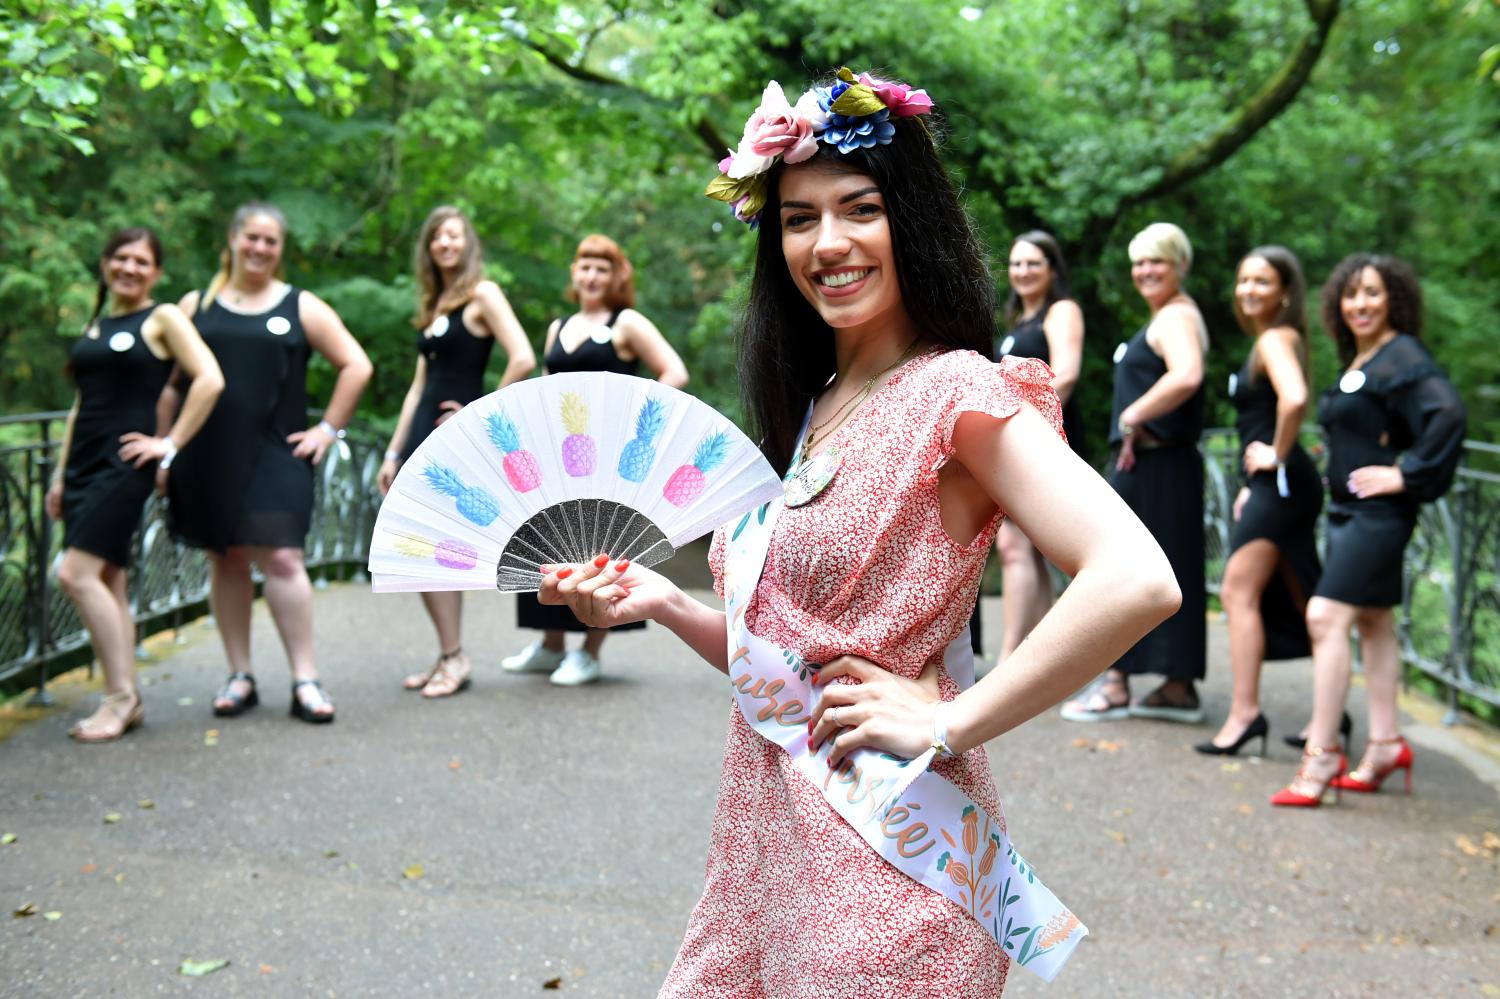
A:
(168, 582)
(1449, 621)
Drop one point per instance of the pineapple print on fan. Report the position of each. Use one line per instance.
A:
(578, 449)
(449, 553)
(474, 504)
(687, 482)
(639, 453)
(520, 465)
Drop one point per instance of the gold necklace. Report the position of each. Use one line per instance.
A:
(817, 432)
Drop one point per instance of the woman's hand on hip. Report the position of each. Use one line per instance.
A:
(879, 710)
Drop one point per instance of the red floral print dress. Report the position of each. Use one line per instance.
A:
(796, 904)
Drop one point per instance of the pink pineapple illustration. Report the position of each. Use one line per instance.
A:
(578, 449)
(520, 465)
(688, 481)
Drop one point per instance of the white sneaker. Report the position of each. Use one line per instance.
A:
(535, 658)
(578, 668)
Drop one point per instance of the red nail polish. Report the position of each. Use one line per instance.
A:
(622, 566)
(809, 744)
(564, 573)
(600, 561)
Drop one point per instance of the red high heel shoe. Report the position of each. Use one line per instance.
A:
(1288, 797)
(1366, 779)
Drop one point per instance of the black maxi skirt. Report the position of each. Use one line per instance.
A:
(1290, 522)
(1165, 490)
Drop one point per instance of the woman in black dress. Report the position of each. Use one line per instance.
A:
(1273, 561)
(244, 489)
(104, 473)
(605, 334)
(460, 315)
(1044, 323)
(1158, 418)
(1395, 429)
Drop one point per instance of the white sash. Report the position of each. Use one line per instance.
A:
(914, 818)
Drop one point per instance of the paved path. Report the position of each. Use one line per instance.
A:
(561, 835)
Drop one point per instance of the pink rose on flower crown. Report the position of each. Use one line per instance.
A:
(775, 129)
(898, 97)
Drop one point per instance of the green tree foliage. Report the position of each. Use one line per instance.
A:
(1323, 125)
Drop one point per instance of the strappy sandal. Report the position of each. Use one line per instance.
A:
(237, 705)
(309, 712)
(1094, 705)
(450, 676)
(121, 719)
(416, 681)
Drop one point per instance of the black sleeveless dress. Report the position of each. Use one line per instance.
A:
(1398, 409)
(596, 353)
(1165, 490)
(119, 381)
(237, 482)
(1283, 508)
(456, 360)
(1028, 339)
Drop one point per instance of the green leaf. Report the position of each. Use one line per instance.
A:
(201, 118)
(262, 11)
(52, 915)
(367, 8)
(197, 969)
(7, 839)
(151, 77)
(858, 101)
(56, 54)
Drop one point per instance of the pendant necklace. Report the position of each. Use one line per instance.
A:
(810, 474)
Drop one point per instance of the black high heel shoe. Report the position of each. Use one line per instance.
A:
(1346, 730)
(1260, 727)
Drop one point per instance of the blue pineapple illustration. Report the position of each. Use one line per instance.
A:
(639, 453)
(474, 504)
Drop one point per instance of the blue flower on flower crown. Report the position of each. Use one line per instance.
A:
(849, 132)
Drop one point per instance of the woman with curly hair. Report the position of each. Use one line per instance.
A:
(1395, 428)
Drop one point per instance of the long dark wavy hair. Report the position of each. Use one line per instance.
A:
(1057, 288)
(1402, 291)
(786, 350)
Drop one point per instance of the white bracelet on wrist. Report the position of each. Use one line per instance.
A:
(940, 731)
(392, 455)
(169, 452)
(331, 431)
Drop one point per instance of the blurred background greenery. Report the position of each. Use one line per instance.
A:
(1326, 125)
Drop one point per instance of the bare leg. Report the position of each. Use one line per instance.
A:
(446, 610)
(1329, 624)
(230, 595)
(593, 642)
(289, 595)
(97, 589)
(1028, 586)
(1245, 578)
(1380, 652)
(552, 641)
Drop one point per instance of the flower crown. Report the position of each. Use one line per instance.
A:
(852, 114)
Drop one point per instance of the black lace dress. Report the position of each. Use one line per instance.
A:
(119, 381)
(1283, 508)
(1397, 409)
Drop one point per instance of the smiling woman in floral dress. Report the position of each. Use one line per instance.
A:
(870, 316)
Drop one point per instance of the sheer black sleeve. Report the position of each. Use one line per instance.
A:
(1429, 405)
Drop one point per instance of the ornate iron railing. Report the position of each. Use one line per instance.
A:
(168, 582)
(1449, 621)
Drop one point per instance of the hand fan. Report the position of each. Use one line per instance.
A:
(561, 469)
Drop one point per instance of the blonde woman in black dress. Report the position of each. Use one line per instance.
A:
(110, 455)
(460, 316)
(1273, 561)
(605, 334)
(244, 489)
(1395, 428)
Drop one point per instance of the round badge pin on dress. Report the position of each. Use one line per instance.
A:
(122, 341)
(439, 327)
(808, 478)
(1007, 344)
(279, 325)
(1120, 352)
(1352, 381)
(1234, 383)
(602, 334)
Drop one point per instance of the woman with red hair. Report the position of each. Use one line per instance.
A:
(605, 334)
